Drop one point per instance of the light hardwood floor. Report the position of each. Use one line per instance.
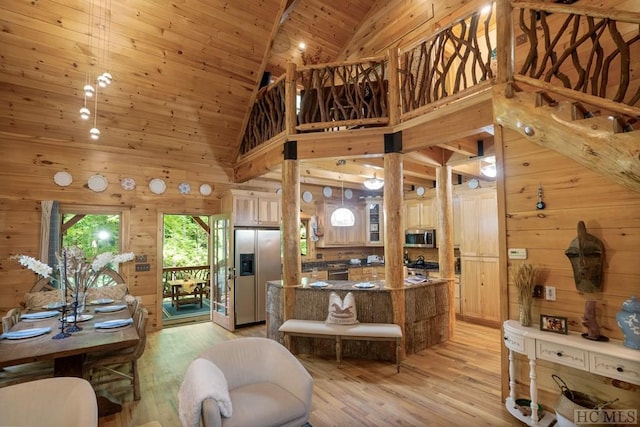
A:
(452, 384)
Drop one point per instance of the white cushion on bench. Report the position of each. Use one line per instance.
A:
(319, 327)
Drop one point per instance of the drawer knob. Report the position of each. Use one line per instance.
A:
(505, 338)
(619, 369)
(559, 354)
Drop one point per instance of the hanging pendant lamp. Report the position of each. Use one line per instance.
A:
(342, 217)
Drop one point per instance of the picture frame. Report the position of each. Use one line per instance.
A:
(557, 324)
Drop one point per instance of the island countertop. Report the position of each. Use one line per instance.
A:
(426, 314)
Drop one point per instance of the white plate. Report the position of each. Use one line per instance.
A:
(307, 196)
(319, 285)
(116, 323)
(348, 194)
(25, 333)
(364, 285)
(98, 183)
(101, 301)
(205, 189)
(38, 315)
(327, 191)
(420, 191)
(157, 186)
(184, 188)
(81, 318)
(110, 308)
(128, 184)
(62, 178)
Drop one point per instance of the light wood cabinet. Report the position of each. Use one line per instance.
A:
(420, 213)
(479, 223)
(480, 289)
(341, 236)
(253, 209)
(322, 275)
(366, 273)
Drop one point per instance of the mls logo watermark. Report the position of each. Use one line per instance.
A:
(605, 416)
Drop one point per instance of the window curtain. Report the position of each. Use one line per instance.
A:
(49, 232)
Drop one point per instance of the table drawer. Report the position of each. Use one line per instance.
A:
(514, 342)
(562, 354)
(613, 367)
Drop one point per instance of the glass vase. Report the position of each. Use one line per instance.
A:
(525, 311)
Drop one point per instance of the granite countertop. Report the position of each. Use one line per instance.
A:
(344, 285)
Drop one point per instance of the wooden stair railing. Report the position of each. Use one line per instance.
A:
(600, 140)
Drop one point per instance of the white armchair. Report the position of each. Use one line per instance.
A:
(268, 386)
(51, 402)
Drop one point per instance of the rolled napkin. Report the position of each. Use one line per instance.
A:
(38, 315)
(115, 323)
(111, 308)
(25, 333)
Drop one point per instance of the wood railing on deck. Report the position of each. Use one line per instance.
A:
(583, 49)
(452, 60)
(200, 272)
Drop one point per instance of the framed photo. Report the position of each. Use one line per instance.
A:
(554, 324)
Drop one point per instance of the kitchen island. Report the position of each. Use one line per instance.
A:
(426, 315)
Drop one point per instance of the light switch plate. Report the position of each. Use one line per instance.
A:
(516, 253)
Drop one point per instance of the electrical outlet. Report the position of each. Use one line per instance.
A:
(550, 292)
(143, 267)
(141, 258)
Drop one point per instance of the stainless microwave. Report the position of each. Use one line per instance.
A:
(420, 238)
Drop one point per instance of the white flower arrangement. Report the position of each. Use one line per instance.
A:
(75, 272)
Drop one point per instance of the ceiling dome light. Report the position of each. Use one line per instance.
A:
(374, 183)
(342, 217)
(85, 113)
(95, 133)
(89, 91)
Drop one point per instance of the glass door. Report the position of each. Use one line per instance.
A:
(221, 272)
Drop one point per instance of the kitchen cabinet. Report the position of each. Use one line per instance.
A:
(420, 213)
(322, 275)
(374, 218)
(479, 223)
(341, 236)
(358, 274)
(480, 293)
(252, 208)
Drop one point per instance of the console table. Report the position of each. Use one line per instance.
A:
(610, 359)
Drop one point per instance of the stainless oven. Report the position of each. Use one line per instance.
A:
(420, 238)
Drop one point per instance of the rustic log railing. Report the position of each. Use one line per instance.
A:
(267, 117)
(200, 272)
(449, 62)
(346, 94)
(581, 49)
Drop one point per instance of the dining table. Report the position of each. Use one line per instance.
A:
(70, 352)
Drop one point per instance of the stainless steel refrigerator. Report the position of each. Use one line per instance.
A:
(257, 260)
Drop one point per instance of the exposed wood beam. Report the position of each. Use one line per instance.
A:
(289, 7)
(201, 223)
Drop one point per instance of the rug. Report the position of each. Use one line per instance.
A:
(186, 310)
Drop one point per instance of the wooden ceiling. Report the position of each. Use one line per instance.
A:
(186, 73)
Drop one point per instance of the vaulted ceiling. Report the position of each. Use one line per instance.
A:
(186, 72)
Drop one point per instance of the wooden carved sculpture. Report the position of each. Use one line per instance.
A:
(589, 320)
(586, 253)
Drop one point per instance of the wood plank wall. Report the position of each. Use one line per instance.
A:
(26, 174)
(610, 212)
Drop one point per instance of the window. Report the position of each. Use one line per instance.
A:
(304, 249)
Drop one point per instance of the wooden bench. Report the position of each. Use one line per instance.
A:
(358, 331)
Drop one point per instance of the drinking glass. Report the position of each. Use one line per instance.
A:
(374, 274)
(314, 274)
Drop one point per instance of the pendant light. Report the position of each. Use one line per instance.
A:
(342, 217)
(374, 183)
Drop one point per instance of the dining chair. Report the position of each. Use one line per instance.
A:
(51, 402)
(119, 365)
(12, 375)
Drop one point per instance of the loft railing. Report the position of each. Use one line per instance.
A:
(339, 95)
(455, 59)
(580, 52)
(200, 272)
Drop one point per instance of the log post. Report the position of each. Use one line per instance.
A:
(444, 194)
(292, 260)
(394, 276)
(290, 92)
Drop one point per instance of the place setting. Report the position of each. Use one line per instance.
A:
(20, 336)
(110, 308)
(365, 285)
(113, 325)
